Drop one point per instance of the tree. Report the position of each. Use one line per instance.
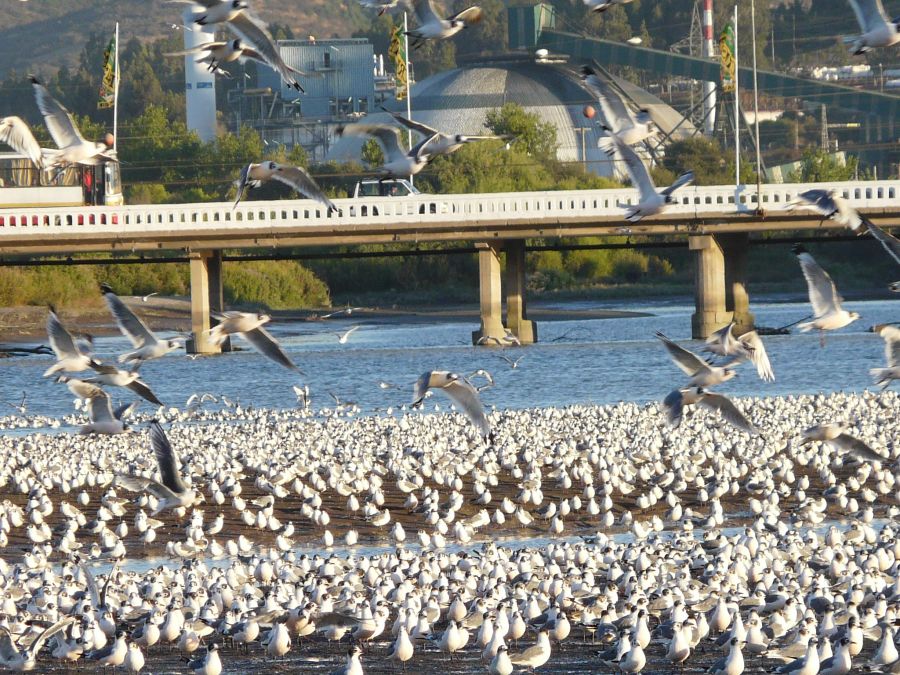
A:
(819, 166)
(711, 164)
(535, 137)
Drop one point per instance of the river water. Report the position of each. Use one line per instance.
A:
(576, 361)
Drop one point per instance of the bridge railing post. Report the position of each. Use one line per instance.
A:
(516, 319)
(710, 313)
(490, 296)
(202, 292)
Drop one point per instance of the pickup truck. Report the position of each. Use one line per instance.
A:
(394, 187)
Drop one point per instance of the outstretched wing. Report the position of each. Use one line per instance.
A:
(470, 15)
(758, 355)
(423, 129)
(890, 243)
(673, 404)
(205, 47)
(689, 362)
(266, 345)
(254, 34)
(684, 179)
(421, 387)
(14, 131)
(297, 178)
(728, 410)
(891, 337)
(387, 135)
(640, 178)
(129, 323)
(466, 397)
(424, 11)
(60, 339)
(58, 120)
(823, 295)
(140, 484)
(869, 13)
(854, 446)
(100, 407)
(140, 388)
(242, 183)
(169, 469)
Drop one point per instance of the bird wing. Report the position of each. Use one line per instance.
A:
(297, 178)
(421, 387)
(891, 337)
(169, 468)
(728, 410)
(758, 355)
(890, 243)
(91, 584)
(336, 619)
(640, 178)
(205, 47)
(129, 323)
(615, 116)
(251, 31)
(857, 448)
(58, 120)
(466, 397)
(470, 15)
(139, 484)
(418, 150)
(140, 388)
(684, 179)
(100, 407)
(387, 135)
(423, 129)
(673, 404)
(242, 183)
(721, 341)
(83, 389)
(266, 345)
(869, 13)
(14, 131)
(49, 632)
(60, 339)
(125, 409)
(689, 362)
(823, 295)
(820, 200)
(424, 11)
(8, 650)
(351, 331)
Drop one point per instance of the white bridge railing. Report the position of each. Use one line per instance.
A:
(21, 223)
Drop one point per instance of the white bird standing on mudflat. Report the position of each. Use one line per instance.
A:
(702, 374)
(15, 132)
(433, 27)
(353, 666)
(69, 357)
(748, 346)
(835, 436)
(603, 5)
(209, 663)
(146, 344)
(877, 29)
(441, 143)
(254, 175)
(250, 327)
(891, 335)
(397, 162)
(733, 663)
(172, 492)
(651, 201)
(73, 148)
(501, 664)
(536, 655)
(823, 296)
(674, 404)
(460, 390)
(630, 127)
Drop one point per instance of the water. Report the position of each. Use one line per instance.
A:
(576, 361)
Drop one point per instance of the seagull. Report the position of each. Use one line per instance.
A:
(834, 435)
(173, 492)
(823, 296)
(69, 356)
(733, 663)
(353, 665)
(702, 374)
(748, 346)
(73, 148)
(104, 420)
(603, 5)
(441, 143)
(147, 345)
(14, 131)
(111, 376)
(674, 404)
(877, 29)
(79, 388)
(883, 376)
(343, 337)
(651, 201)
(630, 127)
(828, 204)
(146, 298)
(254, 175)
(250, 327)
(217, 52)
(460, 390)
(397, 161)
(536, 655)
(501, 664)
(209, 663)
(216, 11)
(890, 244)
(513, 363)
(432, 27)
(253, 33)
(20, 408)
(13, 658)
(383, 5)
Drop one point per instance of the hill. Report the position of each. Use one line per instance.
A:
(43, 35)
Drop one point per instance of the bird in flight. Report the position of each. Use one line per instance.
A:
(460, 390)
(254, 175)
(823, 296)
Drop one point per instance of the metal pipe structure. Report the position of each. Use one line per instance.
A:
(709, 88)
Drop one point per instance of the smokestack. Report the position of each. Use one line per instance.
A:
(199, 83)
(709, 88)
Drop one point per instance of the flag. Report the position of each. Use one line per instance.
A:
(108, 83)
(397, 52)
(726, 49)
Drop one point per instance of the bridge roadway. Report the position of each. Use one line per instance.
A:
(716, 219)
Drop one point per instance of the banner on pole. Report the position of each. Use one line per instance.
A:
(108, 83)
(726, 49)
(397, 53)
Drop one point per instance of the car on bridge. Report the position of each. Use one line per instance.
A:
(391, 187)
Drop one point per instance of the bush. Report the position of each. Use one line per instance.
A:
(273, 284)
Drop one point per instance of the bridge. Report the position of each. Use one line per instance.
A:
(716, 221)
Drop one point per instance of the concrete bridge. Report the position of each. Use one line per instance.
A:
(717, 221)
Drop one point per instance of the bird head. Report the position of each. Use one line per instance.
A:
(895, 287)
(236, 44)
(263, 317)
(854, 316)
(729, 373)
(213, 648)
(271, 166)
(240, 4)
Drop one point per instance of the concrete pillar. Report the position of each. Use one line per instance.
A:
(516, 318)
(709, 287)
(491, 299)
(206, 279)
(735, 247)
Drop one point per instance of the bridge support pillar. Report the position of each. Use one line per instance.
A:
(206, 295)
(490, 296)
(737, 301)
(516, 318)
(710, 313)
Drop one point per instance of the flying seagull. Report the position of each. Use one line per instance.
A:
(828, 204)
(877, 29)
(254, 175)
(398, 162)
(250, 327)
(891, 335)
(105, 420)
(603, 5)
(441, 143)
(18, 658)
(343, 337)
(630, 127)
(172, 492)
(674, 404)
(253, 32)
(217, 52)
(834, 435)
(146, 344)
(69, 356)
(651, 201)
(460, 390)
(73, 148)
(702, 374)
(15, 132)
(383, 5)
(215, 11)
(748, 346)
(433, 27)
(109, 375)
(823, 296)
